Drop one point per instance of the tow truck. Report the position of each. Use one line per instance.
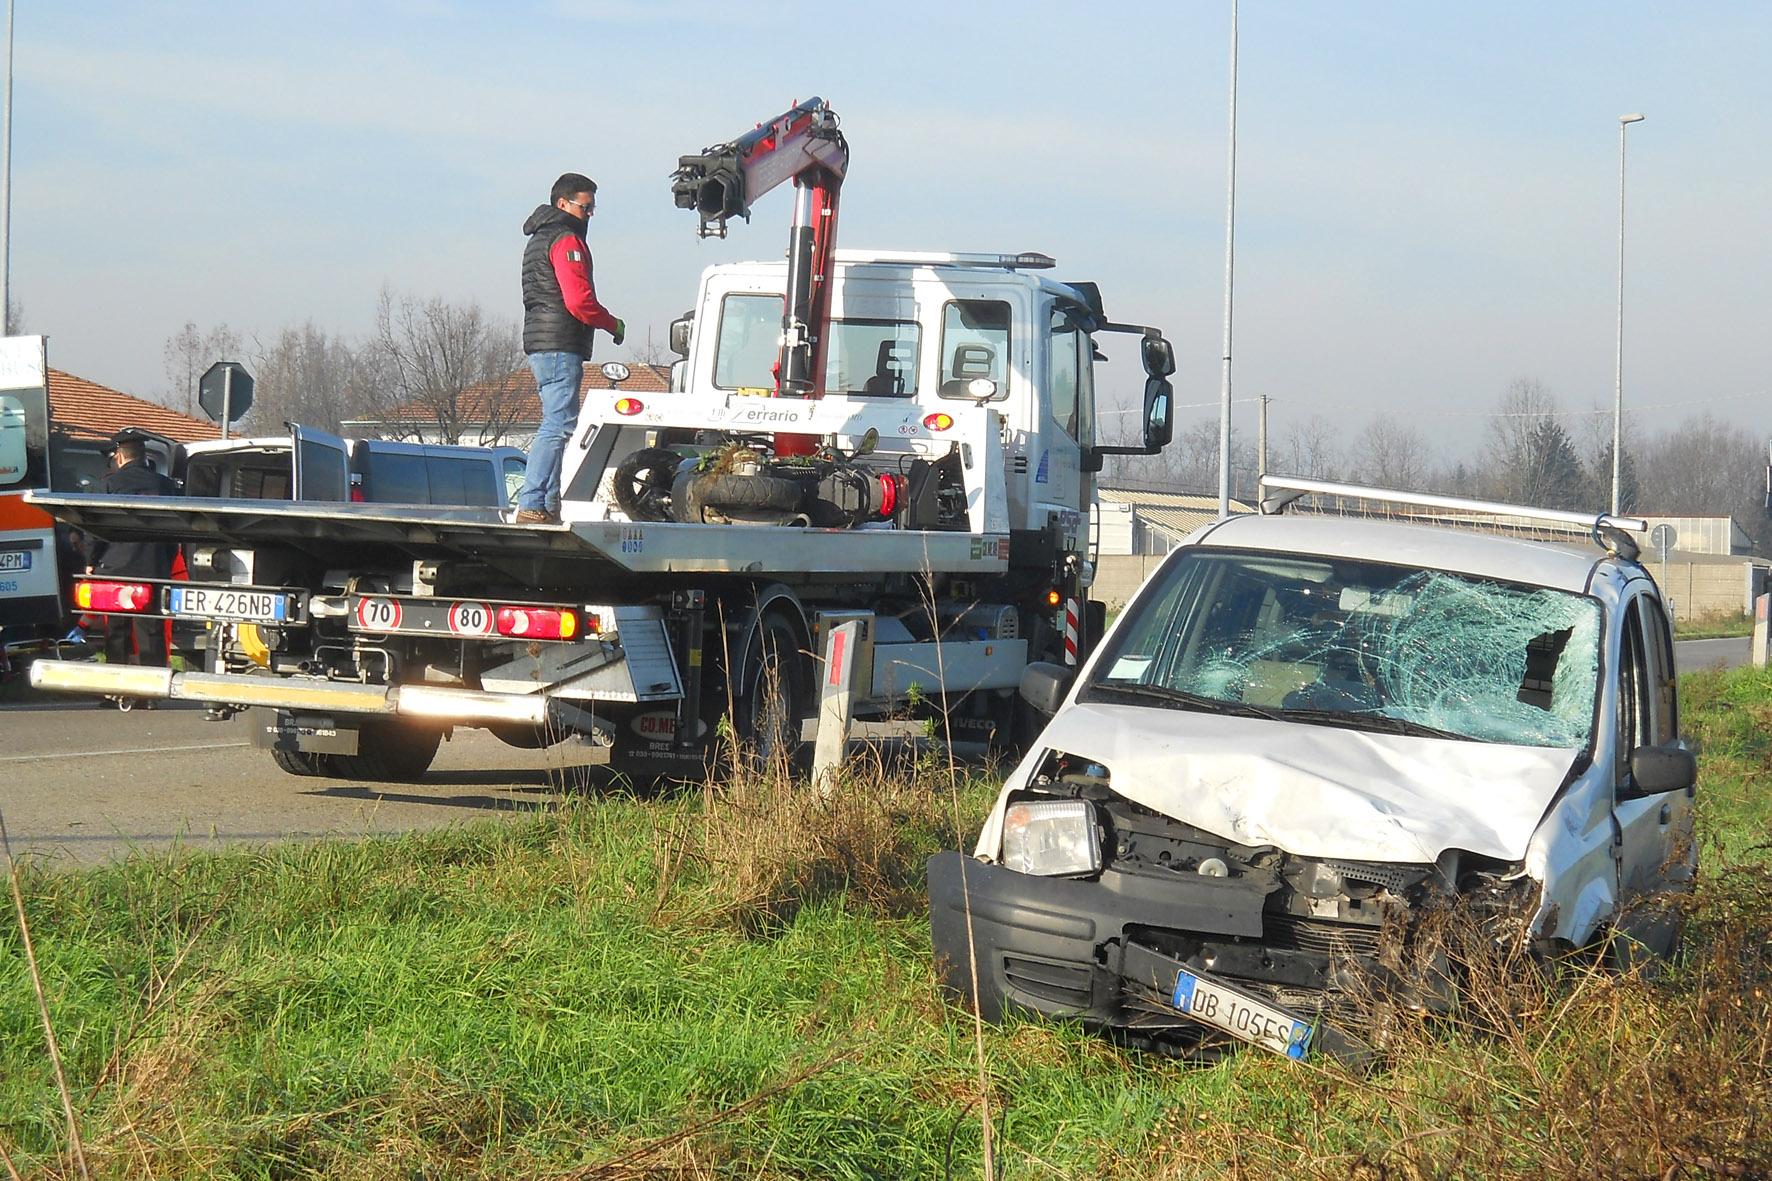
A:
(903, 440)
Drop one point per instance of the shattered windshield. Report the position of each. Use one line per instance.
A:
(1362, 644)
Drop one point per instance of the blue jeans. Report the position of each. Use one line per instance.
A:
(556, 379)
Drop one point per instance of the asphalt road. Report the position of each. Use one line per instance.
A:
(79, 784)
(1696, 654)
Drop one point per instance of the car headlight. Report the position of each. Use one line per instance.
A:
(1051, 837)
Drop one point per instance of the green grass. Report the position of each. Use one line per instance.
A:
(1714, 627)
(738, 984)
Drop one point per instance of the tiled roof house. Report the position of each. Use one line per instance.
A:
(86, 410)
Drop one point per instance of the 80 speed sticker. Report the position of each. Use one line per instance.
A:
(470, 619)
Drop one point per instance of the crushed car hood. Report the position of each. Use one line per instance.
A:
(1315, 791)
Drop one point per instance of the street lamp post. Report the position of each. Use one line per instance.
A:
(1624, 121)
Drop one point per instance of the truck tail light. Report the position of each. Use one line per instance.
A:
(629, 406)
(939, 421)
(537, 623)
(113, 596)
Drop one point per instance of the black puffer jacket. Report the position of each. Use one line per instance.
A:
(144, 559)
(547, 326)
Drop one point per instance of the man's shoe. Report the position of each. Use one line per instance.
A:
(536, 516)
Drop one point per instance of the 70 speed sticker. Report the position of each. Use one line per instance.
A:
(470, 619)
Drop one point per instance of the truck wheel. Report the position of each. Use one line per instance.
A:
(777, 687)
(301, 762)
(390, 752)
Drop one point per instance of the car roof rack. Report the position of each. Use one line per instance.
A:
(1611, 533)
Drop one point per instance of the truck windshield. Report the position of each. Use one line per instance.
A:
(1362, 644)
(866, 357)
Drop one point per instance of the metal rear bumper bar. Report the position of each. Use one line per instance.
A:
(422, 701)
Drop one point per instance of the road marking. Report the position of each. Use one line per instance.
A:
(134, 750)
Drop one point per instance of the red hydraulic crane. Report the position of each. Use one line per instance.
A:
(804, 146)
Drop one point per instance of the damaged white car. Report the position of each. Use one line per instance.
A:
(1303, 733)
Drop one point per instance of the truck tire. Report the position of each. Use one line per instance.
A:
(390, 752)
(301, 762)
(643, 483)
(774, 697)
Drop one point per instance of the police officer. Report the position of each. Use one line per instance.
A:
(130, 475)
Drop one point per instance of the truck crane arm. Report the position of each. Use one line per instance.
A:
(805, 146)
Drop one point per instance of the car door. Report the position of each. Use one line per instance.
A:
(322, 469)
(1656, 853)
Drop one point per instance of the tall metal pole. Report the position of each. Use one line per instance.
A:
(1618, 391)
(6, 191)
(1230, 257)
(1261, 446)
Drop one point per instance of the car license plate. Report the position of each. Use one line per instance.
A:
(15, 560)
(215, 603)
(1214, 1003)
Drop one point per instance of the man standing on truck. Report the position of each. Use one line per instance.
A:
(560, 313)
(130, 475)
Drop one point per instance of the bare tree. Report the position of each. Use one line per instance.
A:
(185, 356)
(307, 376)
(446, 370)
(1310, 448)
(1530, 456)
(651, 351)
(1706, 467)
(1388, 454)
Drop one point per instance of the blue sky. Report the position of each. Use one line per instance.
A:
(1427, 200)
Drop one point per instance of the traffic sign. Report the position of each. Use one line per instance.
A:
(1662, 537)
(225, 392)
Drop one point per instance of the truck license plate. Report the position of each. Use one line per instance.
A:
(1214, 1003)
(215, 603)
(15, 560)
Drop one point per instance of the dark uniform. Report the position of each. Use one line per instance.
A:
(135, 559)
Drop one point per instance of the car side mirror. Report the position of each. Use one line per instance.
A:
(1655, 770)
(1044, 685)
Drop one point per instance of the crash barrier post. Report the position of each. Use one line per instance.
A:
(1762, 641)
(836, 704)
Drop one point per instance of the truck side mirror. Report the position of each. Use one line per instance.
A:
(1656, 770)
(680, 334)
(1159, 423)
(1159, 356)
(1043, 685)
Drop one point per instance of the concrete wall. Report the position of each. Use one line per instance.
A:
(1706, 589)
(1118, 575)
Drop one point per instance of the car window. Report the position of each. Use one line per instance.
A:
(515, 470)
(459, 480)
(1476, 658)
(396, 477)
